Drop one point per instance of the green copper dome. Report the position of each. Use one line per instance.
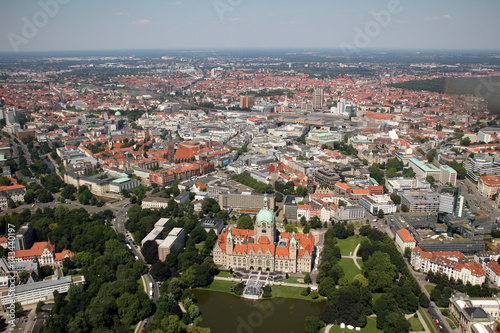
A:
(118, 113)
(264, 216)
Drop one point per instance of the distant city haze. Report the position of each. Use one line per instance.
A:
(351, 26)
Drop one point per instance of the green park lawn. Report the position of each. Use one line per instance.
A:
(277, 291)
(224, 274)
(218, 285)
(429, 288)
(349, 244)
(371, 326)
(289, 292)
(350, 269)
(416, 325)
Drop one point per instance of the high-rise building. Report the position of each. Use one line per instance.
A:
(247, 101)
(318, 98)
(170, 149)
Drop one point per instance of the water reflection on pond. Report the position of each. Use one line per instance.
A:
(226, 313)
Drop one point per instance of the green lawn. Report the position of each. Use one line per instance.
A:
(350, 269)
(416, 325)
(429, 288)
(224, 274)
(349, 244)
(289, 292)
(224, 286)
(371, 326)
(199, 246)
(141, 284)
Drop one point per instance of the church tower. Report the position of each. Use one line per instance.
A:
(265, 229)
(229, 242)
(293, 254)
(170, 149)
(310, 182)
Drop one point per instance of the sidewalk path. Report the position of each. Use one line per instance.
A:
(354, 257)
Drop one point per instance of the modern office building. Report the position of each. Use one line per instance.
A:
(156, 232)
(421, 202)
(174, 241)
(375, 203)
(447, 175)
(32, 293)
(424, 169)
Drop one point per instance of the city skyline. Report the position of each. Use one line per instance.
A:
(70, 25)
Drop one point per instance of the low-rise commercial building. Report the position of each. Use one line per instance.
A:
(32, 293)
(376, 203)
(421, 202)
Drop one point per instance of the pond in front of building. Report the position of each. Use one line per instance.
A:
(227, 313)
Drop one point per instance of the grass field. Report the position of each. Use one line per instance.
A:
(224, 274)
(349, 244)
(278, 291)
(371, 326)
(350, 269)
(217, 285)
(141, 284)
(416, 325)
(289, 292)
(429, 288)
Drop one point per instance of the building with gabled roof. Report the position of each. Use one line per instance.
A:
(265, 248)
(453, 264)
(44, 253)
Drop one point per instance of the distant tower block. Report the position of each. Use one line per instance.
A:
(318, 98)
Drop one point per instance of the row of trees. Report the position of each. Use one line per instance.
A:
(111, 299)
(259, 187)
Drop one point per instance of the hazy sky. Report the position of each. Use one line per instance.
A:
(202, 24)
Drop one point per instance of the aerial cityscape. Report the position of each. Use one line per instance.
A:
(237, 166)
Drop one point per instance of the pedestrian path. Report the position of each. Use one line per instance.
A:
(354, 257)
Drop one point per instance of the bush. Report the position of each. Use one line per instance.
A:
(314, 294)
(305, 292)
(267, 291)
(239, 288)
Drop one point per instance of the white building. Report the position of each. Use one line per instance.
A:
(453, 264)
(154, 203)
(32, 293)
(375, 203)
(404, 240)
(493, 273)
(174, 241)
(158, 228)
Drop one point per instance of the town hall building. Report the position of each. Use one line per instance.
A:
(265, 248)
